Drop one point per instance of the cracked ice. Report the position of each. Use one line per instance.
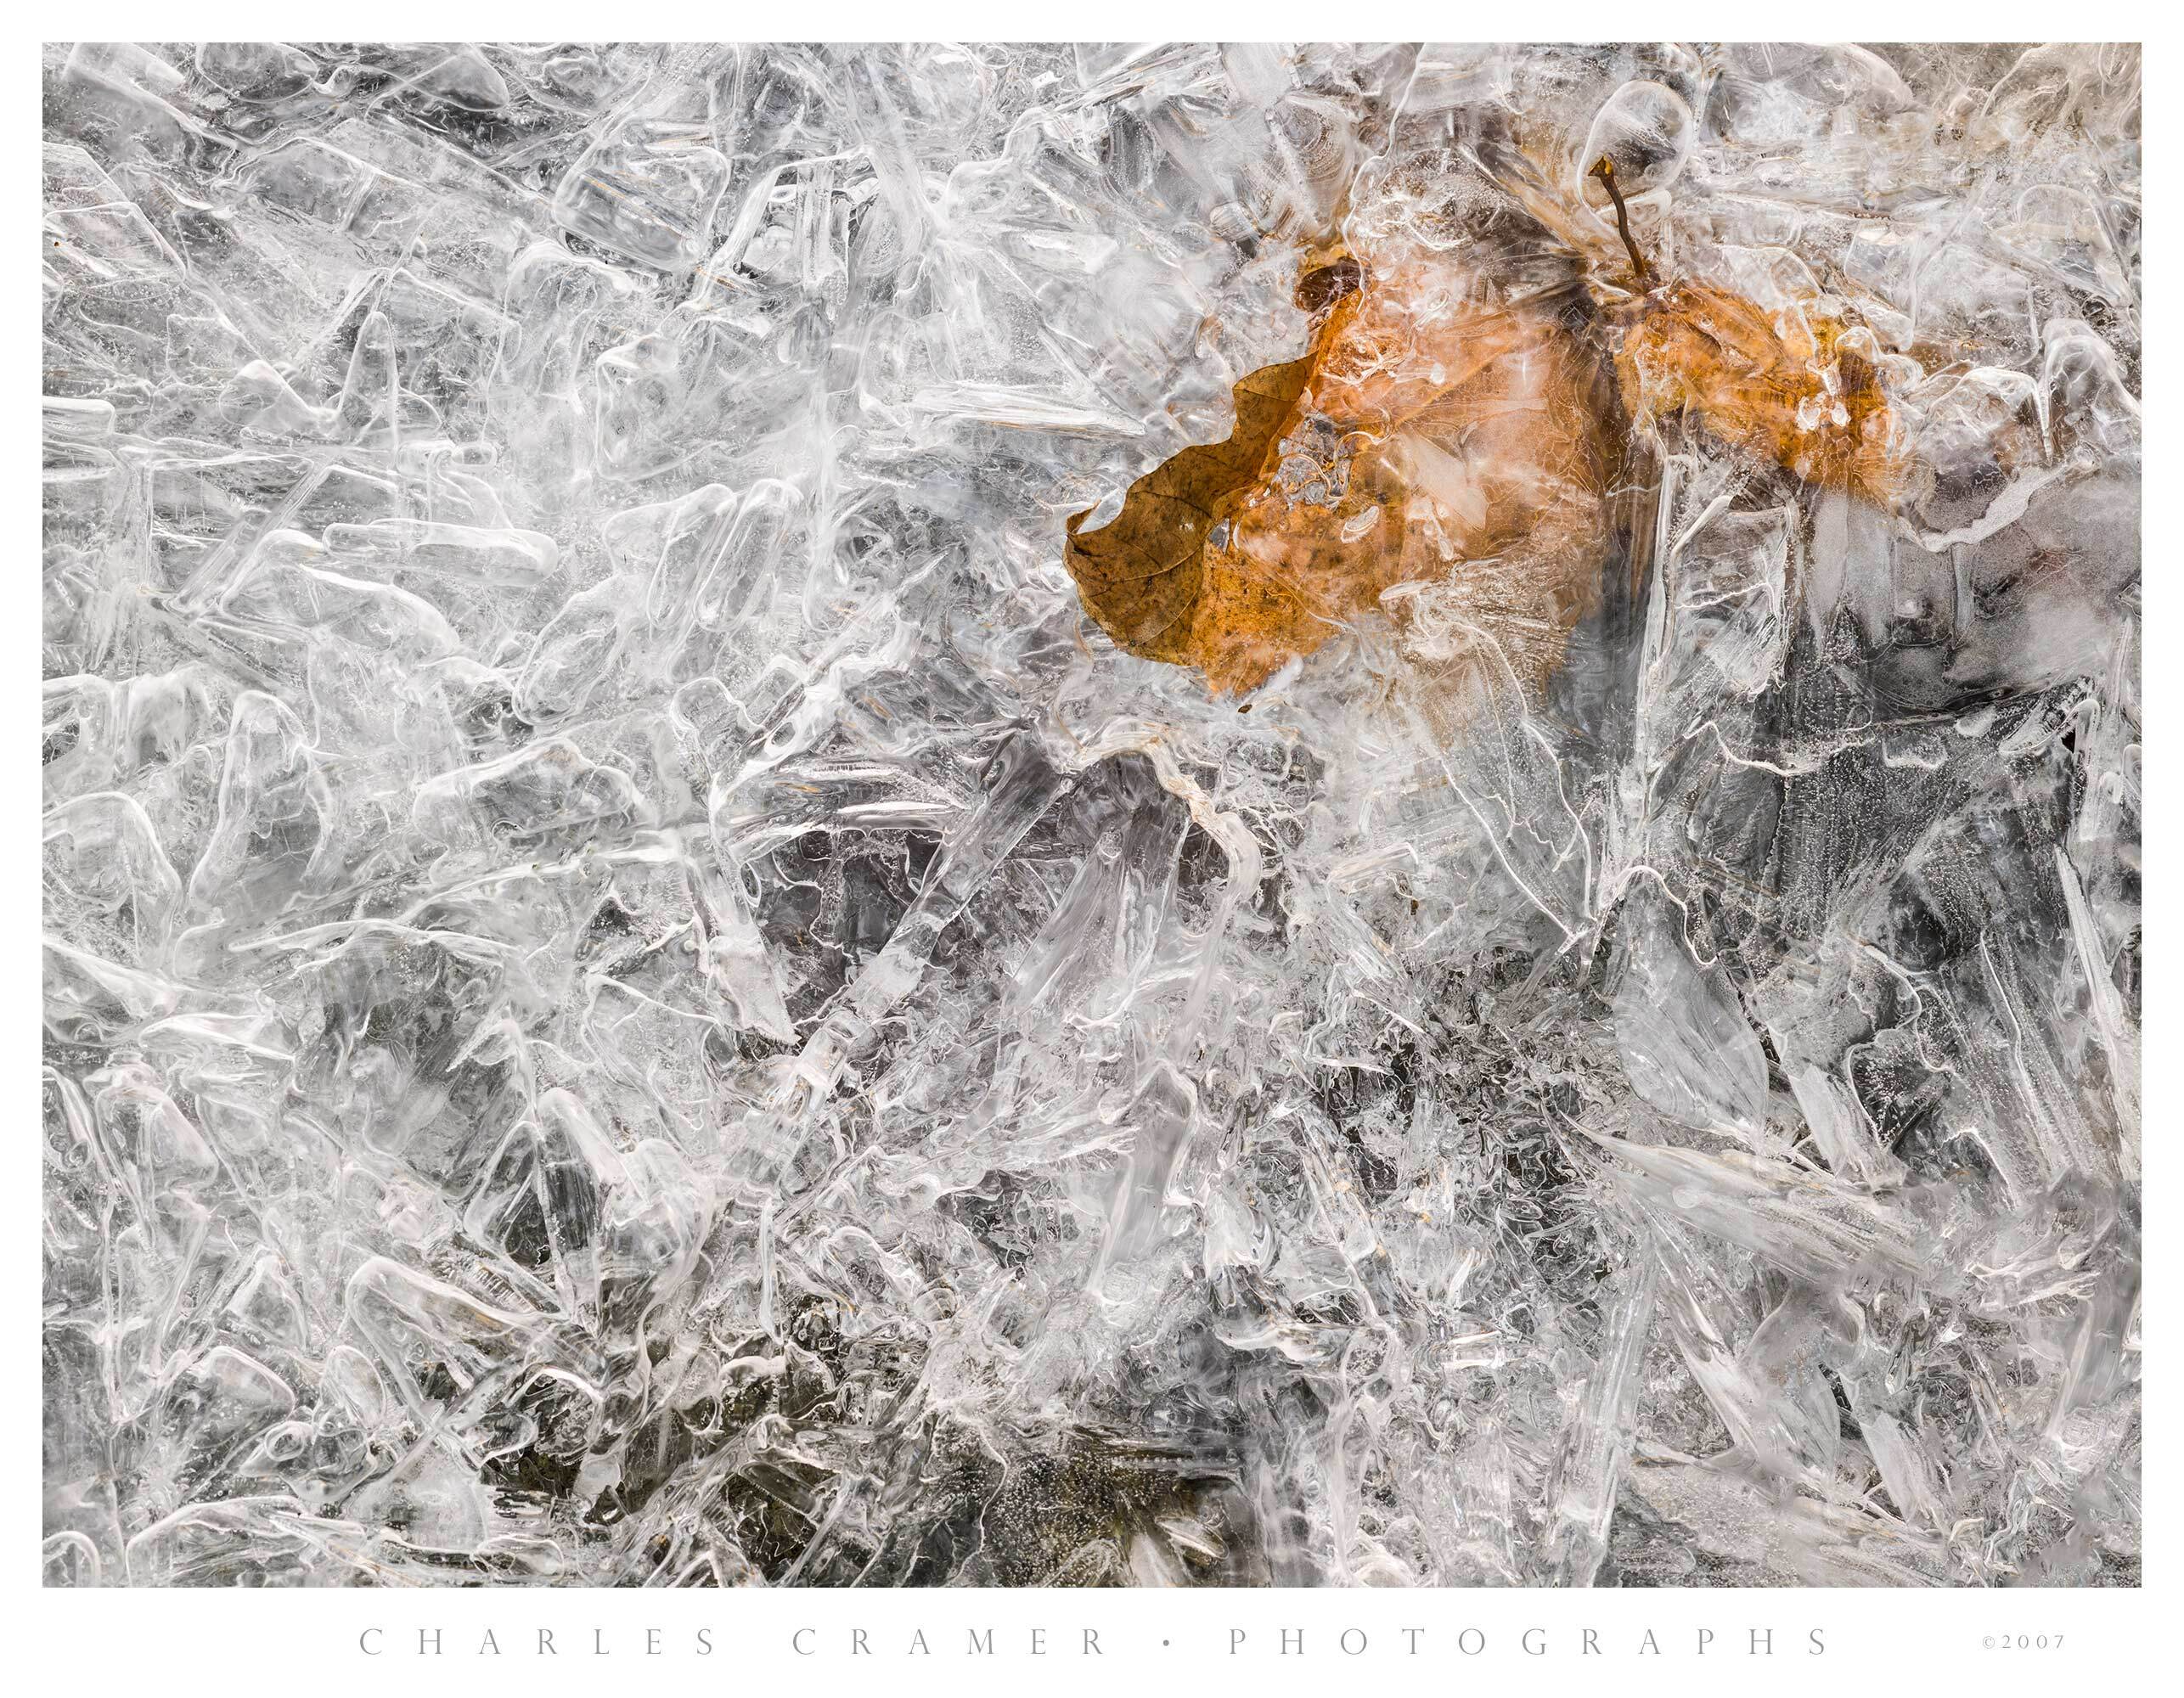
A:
(636, 991)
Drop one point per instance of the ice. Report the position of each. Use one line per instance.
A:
(636, 994)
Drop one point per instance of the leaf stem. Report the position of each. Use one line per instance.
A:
(1604, 169)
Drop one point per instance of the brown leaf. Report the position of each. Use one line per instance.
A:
(1426, 436)
(1448, 429)
(1798, 389)
(1143, 577)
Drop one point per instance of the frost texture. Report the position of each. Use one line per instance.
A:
(635, 995)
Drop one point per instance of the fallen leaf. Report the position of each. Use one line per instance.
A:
(1796, 388)
(1144, 576)
(1458, 422)
(1425, 434)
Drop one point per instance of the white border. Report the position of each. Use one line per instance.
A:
(192, 1641)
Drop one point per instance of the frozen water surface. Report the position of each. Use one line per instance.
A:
(635, 993)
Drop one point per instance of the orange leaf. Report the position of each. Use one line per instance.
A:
(1143, 577)
(1424, 434)
(1804, 396)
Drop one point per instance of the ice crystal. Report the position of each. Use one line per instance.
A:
(636, 994)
